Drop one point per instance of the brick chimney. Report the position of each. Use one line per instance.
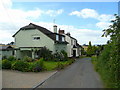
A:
(61, 31)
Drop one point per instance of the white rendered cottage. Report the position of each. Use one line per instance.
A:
(73, 48)
(33, 37)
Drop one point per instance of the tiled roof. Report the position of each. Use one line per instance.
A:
(5, 47)
(78, 45)
(70, 36)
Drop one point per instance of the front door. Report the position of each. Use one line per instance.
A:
(74, 53)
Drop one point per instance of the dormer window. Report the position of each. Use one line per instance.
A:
(63, 39)
(57, 37)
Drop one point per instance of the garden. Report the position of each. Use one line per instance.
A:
(46, 62)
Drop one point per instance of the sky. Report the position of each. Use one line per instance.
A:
(84, 20)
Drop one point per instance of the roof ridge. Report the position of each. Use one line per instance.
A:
(40, 27)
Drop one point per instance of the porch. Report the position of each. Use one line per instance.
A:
(27, 51)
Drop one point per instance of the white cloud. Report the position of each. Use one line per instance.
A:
(85, 13)
(104, 19)
(103, 25)
(53, 13)
(5, 36)
(6, 3)
(77, 13)
(91, 13)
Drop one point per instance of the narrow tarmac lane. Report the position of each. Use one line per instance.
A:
(81, 74)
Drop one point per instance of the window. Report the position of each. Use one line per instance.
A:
(36, 38)
(63, 39)
(57, 37)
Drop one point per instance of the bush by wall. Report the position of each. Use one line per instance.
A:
(6, 64)
(11, 58)
(20, 65)
(45, 53)
(4, 57)
(27, 59)
(58, 57)
(38, 65)
(65, 56)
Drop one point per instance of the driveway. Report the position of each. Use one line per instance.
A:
(81, 74)
(16, 79)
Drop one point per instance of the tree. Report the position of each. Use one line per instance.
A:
(109, 59)
(99, 49)
(94, 49)
(90, 43)
(90, 49)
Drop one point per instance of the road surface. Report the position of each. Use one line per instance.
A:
(81, 74)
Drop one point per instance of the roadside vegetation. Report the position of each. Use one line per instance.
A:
(46, 62)
(107, 63)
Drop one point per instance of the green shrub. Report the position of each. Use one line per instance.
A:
(60, 66)
(45, 53)
(107, 66)
(6, 64)
(39, 65)
(31, 67)
(20, 65)
(27, 59)
(65, 56)
(4, 57)
(36, 66)
(58, 56)
(94, 61)
(110, 57)
(11, 58)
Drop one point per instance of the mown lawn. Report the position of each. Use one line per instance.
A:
(52, 65)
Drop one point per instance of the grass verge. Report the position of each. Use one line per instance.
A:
(52, 65)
